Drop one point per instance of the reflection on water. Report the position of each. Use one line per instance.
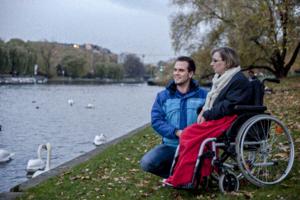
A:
(34, 114)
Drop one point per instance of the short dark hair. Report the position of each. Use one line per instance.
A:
(228, 55)
(189, 60)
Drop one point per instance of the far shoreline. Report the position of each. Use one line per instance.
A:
(21, 80)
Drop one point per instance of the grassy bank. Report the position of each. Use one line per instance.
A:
(115, 173)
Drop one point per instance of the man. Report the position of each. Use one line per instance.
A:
(174, 109)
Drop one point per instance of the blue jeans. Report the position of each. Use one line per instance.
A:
(158, 160)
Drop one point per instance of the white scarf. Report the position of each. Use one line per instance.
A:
(218, 83)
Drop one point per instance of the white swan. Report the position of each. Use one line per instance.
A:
(99, 139)
(36, 164)
(48, 148)
(71, 102)
(90, 106)
(5, 156)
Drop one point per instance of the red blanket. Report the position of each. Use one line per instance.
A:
(190, 142)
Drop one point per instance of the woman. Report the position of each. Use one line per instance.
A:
(230, 87)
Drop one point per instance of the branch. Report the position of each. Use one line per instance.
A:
(294, 56)
(214, 14)
(259, 67)
(284, 22)
(255, 40)
(272, 22)
(261, 59)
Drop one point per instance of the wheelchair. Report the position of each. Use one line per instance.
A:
(257, 146)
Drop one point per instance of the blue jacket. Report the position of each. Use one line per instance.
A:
(236, 92)
(172, 110)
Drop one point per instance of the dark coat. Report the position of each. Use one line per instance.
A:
(236, 92)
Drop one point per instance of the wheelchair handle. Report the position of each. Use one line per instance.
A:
(273, 80)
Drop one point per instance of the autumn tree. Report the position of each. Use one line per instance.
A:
(265, 32)
(133, 66)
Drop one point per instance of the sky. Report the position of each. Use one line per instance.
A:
(133, 26)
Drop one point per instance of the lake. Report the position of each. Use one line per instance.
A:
(35, 114)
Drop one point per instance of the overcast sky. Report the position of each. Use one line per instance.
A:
(136, 26)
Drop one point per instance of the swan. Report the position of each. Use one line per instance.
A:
(5, 156)
(48, 148)
(90, 106)
(36, 164)
(71, 102)
(99, 139)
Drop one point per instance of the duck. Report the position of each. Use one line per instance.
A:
(36, 164)
(47, 167)
(71, 102)
(99, 139)
(5, 156)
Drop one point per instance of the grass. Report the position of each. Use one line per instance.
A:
(115, 173)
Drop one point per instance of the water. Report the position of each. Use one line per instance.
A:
(34, 114)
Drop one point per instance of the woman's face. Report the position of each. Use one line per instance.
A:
(218, 64)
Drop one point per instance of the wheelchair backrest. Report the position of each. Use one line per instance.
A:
(256, 107)
(246, 111)
(257, 88)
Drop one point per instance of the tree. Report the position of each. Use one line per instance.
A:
(109, 70)
(114, 71)
(74, 66)
(31, 60)
(17, 55)
(4, 58)
(47, 50)
(133, 66)
(21, 57)
(100, 70)
(265, 32)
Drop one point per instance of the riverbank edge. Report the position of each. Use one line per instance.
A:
(18, 190)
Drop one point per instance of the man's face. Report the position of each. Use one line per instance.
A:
(181, 75)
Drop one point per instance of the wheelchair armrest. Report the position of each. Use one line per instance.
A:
(249, 108)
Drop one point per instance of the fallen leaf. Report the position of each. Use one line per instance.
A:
(133, 170)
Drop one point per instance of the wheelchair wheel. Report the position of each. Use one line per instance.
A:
(265, 150)
(228, 182)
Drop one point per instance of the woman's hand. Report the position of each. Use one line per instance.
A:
(200, 118)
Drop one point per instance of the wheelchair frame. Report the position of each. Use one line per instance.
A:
(252, 147)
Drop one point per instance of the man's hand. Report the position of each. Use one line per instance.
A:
(178, 133)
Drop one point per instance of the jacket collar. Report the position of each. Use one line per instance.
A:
(171, 86)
